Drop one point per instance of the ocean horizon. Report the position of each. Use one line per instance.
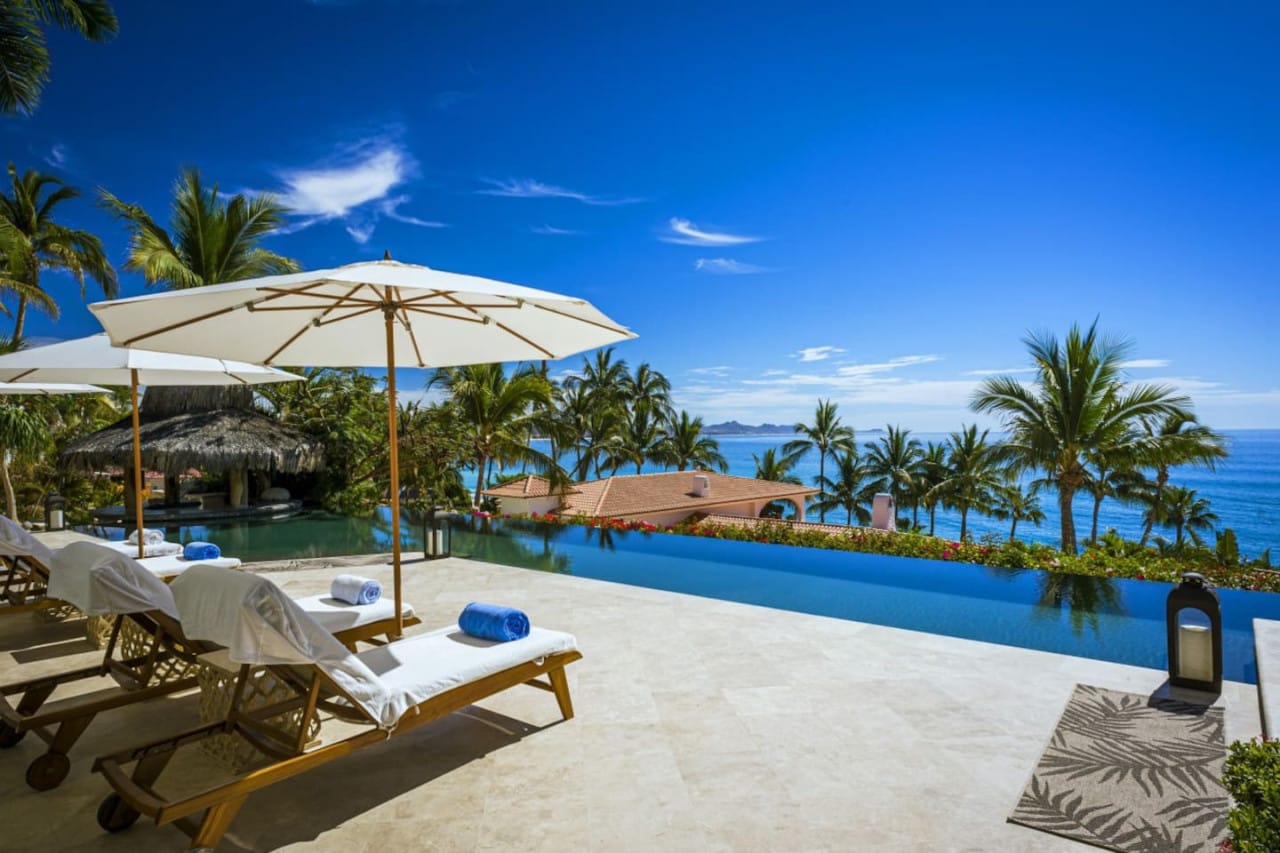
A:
(1241, 491)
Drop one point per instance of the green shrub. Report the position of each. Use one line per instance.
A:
(1253, 778)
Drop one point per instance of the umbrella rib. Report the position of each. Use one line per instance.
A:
(302, 331)
(548, 353)
(481, 319)
(413, 338)
(352, 315)
(598, 325)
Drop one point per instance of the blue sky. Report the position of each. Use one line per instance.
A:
(871, 203)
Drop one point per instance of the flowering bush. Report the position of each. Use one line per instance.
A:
(1112, 557)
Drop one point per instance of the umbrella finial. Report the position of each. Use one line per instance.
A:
(386, 254)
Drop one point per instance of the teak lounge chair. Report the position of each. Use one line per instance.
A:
(104, 582)
(390, 689)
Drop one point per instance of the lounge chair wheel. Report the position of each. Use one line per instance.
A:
(115, 815)
(9, 736)
(48, 771)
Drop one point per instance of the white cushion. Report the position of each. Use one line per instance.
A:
(174, 564)
(149, 549)
(103, 582)
(335, 615)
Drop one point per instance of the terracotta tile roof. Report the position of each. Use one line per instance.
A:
(526, 487)
(638, 494)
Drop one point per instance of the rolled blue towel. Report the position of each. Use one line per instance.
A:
(201, 551)
(354, 589)
(493, 622)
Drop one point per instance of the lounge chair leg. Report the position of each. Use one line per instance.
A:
(150, 768)
(48, 771)
(216, 821)
(560, 685)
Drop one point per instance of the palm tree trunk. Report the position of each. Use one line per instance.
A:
(475, 501)
(1013, 528)
(849, 520)
(915, 516)
(964, 521)
(933, 514)
(1065, 496)
(19, 318)
(1093, 535)
(1162, 477)
(822, 479)
(10, 502)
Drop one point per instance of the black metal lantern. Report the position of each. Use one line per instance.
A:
(437, 534)
(55, 516)
(1193, 617)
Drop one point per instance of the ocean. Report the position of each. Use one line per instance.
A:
(1244, 491)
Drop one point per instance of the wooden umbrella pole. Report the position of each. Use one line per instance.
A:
(389, 313)
(137, 462)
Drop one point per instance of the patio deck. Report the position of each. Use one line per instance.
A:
(701, 725)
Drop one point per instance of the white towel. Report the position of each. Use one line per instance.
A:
(354, 589)
(149, 536)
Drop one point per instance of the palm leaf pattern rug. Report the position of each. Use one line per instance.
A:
(1131, 773)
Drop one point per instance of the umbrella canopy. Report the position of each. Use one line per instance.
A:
(95, 359)
(49, 389)
(364, 315)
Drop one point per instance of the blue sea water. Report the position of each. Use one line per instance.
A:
(1244, 491)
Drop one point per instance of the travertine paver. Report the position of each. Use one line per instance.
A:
(701, 725)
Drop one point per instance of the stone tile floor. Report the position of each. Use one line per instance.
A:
(701, 725)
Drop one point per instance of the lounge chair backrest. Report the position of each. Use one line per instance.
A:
(258, 623)
(17, 541)
(103, 582)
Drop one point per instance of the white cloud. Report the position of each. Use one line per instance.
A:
(552, 231)
(719, 371)
(390, 208)
(727, 266)
(999, 372)
(885, 366)
(360, 234)
(1144, 362)
(774, 373)
(58, 155)
(685, 233)
(530, 188)
(816, 353)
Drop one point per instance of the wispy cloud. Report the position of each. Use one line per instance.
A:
(816, 353)
(685, 233)
(58, 155)
(530, 188)
(874, 368)
(774, 373)
(1139, 363)
(720, 371)
(355, 187)
(551, 230)
(999, 372)
(727, 266)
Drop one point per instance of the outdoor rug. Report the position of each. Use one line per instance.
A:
(1131, 773)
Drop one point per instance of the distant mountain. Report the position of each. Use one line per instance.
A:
(735, 428)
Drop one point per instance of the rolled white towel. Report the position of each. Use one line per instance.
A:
(149, 536)
(354, 589)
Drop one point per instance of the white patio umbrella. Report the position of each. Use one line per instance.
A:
(48, 389)
(363, 315)
(95, 359)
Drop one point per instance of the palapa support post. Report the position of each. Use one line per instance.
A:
(388, 311)
(137, 462)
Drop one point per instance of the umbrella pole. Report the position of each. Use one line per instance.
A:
(389, 314)
(137, 461)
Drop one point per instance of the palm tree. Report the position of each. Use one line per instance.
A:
(641, 440)
(24, 52)
(648, 390)
(1014, 504)
(1177, 439)
(893, 458)
(686, 446)
(777, 468)
(974, 473)
(496, 408)
(853, 488)
(212, 239)
(1111, 474)
(931, 470)
(1080, 404)
(22, 433)
(828, 436)
(604, 383)
(31, 241)
(1186, 513)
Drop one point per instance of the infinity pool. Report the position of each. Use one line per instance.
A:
(1114, 620)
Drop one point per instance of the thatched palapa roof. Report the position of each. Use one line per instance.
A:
(179, 432)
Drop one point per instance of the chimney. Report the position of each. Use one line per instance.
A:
(701, 486)
(884, 516)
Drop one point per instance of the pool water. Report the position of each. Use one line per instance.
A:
(1101, 618)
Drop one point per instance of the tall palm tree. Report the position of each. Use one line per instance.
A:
(22, 433)
(974, 473)
(828, 436)
(931, 470)
(1177, 439)
(685, 446)
(1187, 513)
(893, 458)
(777, 468)
(1111, 473)
(496, 408)
(852, 488)
(605, 383)
(31, 241)
(1013, 503)
(1080, 403)
(24, 52)
(641, 440)
(648, 390)
(212, 239)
